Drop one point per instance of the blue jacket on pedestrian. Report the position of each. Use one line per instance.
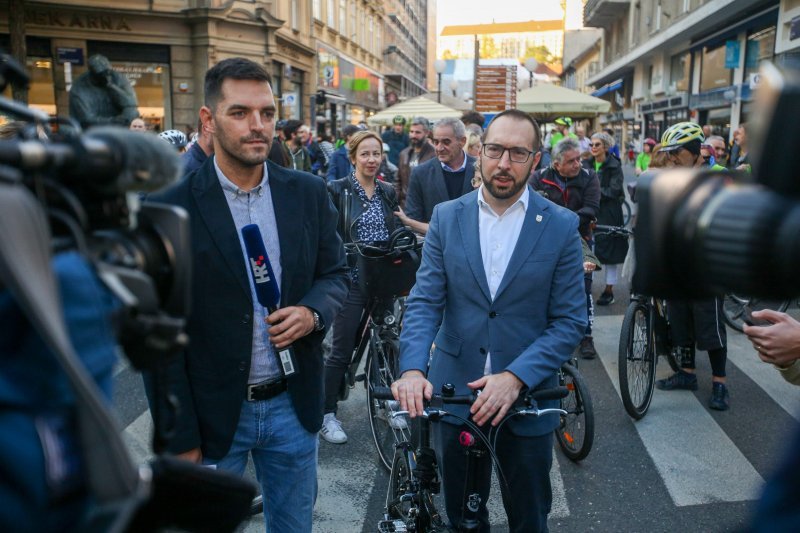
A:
(339, 166)
(193, 159)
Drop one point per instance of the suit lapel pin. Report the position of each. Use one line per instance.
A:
(538, 218)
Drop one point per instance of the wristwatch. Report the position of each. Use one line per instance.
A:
(318, 325)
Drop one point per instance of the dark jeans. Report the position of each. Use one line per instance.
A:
(526, 463)
(345, 327)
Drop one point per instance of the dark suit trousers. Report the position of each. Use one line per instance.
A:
(526, 463)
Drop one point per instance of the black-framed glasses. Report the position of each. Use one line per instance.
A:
(516, 154)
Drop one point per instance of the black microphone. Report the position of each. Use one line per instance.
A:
(268, 293)
(110, 159)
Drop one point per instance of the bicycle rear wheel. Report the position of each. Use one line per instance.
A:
(575, 432)
(382, 367)
(734, 305)
(626, 213)
(637, 360)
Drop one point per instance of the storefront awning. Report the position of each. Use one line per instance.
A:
(613, 86)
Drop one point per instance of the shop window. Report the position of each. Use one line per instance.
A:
(41, 92)
(151, 84)
(679, 71)
(713, 74)
(760, 47)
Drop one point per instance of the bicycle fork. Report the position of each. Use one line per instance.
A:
(474, 451)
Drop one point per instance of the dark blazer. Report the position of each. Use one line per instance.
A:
(350, 207)
(404, 171)
(193, 159)
(210, 377)
(426, 188)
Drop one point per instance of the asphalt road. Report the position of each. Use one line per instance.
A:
(683, 467)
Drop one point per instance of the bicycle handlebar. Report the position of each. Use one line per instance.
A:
(525, 398)
(612, 230)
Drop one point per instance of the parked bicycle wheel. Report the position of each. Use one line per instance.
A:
(575, 432)
(381, 365)
(733, 308)
(397, 507)
(637, 360)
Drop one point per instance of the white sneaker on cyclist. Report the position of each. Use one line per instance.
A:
(395, 422)
(332, 430)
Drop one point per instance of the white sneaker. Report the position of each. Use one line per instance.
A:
(332, 430)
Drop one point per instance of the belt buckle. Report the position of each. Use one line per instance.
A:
(250, 393)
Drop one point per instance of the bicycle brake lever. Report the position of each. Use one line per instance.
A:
(540, 412)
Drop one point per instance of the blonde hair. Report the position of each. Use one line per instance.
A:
(358, 138)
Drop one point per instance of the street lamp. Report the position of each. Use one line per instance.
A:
(531, 65)
(439, 65)
(454, 86)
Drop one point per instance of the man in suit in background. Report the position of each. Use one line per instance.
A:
(419, 151)
(500, 295)
(445, 178)
(234, 399)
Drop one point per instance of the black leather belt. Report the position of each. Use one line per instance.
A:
(265, 391)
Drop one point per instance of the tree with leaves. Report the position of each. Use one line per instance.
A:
(540, 53)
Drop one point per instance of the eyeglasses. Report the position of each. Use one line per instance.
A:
(597, 145)
(517, 154)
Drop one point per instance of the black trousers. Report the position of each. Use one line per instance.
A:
(525, 462)
(345, 327)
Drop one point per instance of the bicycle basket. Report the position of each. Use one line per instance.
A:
(389, 269)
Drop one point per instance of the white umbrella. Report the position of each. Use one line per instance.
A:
(419, 106)
(549, 101)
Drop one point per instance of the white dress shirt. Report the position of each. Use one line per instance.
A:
(499, 235)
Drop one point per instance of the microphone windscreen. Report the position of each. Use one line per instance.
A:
(267, 291)
(147, 162)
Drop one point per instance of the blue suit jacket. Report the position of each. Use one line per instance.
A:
(340, 165)
(536, 320)
(426, 188)
(210, 378)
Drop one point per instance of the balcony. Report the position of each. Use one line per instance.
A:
(601, 13)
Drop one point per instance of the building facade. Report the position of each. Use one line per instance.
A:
(671, 60)
(405, 51)
(164, 47)
(502, 39)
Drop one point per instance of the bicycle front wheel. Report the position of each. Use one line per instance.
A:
(575, 432)
(734, 305)
(382, 367)
(637, 360)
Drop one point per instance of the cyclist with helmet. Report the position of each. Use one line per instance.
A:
(396, 138)
(695, 323)
(643, 159)
(563, 124)
(176, 138)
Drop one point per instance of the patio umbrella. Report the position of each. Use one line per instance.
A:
(419, 106)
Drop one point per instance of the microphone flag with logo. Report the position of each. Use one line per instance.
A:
(267, 291)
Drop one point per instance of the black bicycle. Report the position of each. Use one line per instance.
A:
(414, 478)
(387, 272)
(645, 335)
(575, 431)
(734, 307)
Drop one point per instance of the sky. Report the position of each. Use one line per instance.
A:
(449, 12)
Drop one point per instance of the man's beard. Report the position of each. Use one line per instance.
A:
(417, 143)
(247, 159)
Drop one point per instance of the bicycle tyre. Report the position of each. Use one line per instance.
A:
(382, 367)
(398, 508)
(626, 213)
(733, 308)
(636, 360)
(575, 432)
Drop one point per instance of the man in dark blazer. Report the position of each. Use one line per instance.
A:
(234, 398)
(438, 180)
(500, 295)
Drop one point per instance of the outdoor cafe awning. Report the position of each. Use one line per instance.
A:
(419, 106)
(549, 101)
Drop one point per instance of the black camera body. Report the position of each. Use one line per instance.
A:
(704, 233)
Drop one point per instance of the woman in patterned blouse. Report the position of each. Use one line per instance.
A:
(366, 213)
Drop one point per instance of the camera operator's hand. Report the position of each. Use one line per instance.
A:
(193, 456)
(500, 391)
(409, 391)
(289, 324)
(778, 343)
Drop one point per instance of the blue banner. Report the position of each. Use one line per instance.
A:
(732, 54)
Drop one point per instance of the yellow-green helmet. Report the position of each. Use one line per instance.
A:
(679, 134)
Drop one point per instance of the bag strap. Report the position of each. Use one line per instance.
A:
(26, 271)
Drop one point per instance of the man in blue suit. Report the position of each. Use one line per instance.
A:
(500, 295)
(234, 399)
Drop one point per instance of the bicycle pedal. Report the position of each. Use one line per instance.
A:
(392, 526)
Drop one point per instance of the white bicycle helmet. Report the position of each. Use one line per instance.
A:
(175, 137)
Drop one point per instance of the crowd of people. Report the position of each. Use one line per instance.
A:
(503, 293)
